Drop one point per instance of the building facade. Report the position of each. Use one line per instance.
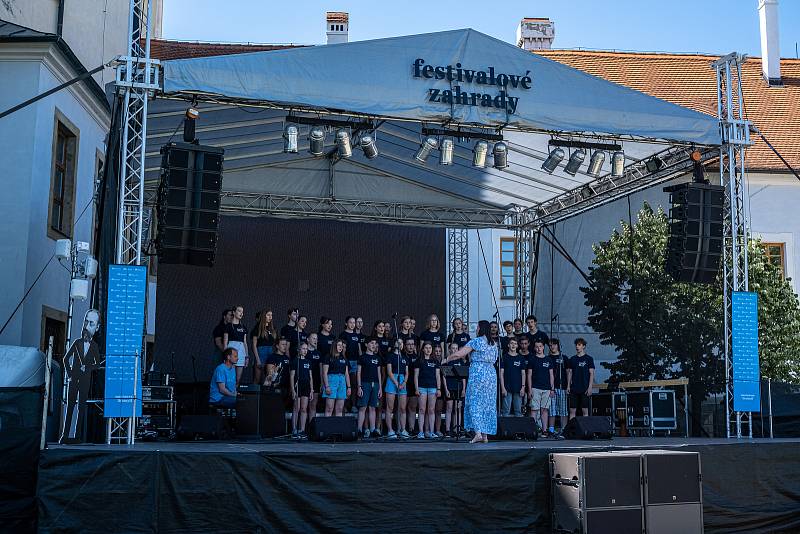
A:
(53, 152)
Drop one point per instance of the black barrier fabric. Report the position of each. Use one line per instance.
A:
(748, 487)
(20, 432)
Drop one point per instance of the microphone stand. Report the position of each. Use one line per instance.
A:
(397, 395)
(194, 385)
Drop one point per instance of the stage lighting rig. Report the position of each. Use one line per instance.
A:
(575, 162)
(698, 175)
(553, 159)
(500, 153)
(618, 164)
(368, 146)
(428, 145)
(596, 163)
(290, 136)
(479, 152)
(343, 147)
(446, 152)
(316, 141)
(189, 125)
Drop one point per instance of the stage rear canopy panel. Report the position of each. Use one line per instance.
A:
(450, 80)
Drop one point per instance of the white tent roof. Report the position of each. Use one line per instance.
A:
(392, 82)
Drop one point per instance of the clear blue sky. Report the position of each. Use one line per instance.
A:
(709, 26)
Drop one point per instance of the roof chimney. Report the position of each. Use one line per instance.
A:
(770, 48)
(535, 33)
(337, 24)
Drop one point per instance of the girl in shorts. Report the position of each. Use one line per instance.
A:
(302, 381)
(410, 350)
(335, 379)
(396, 381)
(440, 400)
(235, 336)
(262, 340)
(427, 381)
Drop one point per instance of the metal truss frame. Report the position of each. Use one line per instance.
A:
(735, 131)
(675, 162)
(457, 276)
(137, 78)
(524, 234)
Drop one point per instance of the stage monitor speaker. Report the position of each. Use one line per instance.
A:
(588, 427)
(189, 203)
(333, 429)
(202, 427)
(260, 413)
(516, 428)
(694, 247)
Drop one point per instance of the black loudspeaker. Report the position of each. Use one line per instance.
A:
(333, 429)
(202, 427)
(260, 413)
(188, 203)
(695, 232)
(516, 428)
(588, 427)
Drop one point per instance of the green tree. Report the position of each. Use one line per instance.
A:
(665, 329)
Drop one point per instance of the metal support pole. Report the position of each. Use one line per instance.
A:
(769, 396)
(686, 407)
(48, 366)
(524, 235)
(457, 276)
(735, 132)
(137, 79)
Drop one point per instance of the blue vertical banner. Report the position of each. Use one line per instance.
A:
(127, 285)
(744, 334)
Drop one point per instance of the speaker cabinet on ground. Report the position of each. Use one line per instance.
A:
(342, 428)
(203, 427)
(650, 491)
(597, 492)
(516, 428)
(588, 427)
(694, 248)
(259, 413)
(188, 203)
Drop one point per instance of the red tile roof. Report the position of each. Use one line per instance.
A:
(337, 16)
(165, 49)
(689, 80)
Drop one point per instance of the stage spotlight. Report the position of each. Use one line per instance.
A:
(446, 152)
(618, 164)
(586, 192)
(290, 135)
(189, 124)
(654, 164)
(479, 154)
(343, 143)
(429, 144)
(575, 162)
(552, 161)
(500, 153)
(368, 146)
(698, 175)
(596, 163)
(316, 141)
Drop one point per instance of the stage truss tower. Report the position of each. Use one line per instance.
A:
(457, 277)
(524, 233)
(136, 79)
(735, 130)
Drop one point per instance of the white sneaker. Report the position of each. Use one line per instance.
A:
(404, 434)
(365, 434)
(391, 435)
(422, 435)
(438, 435)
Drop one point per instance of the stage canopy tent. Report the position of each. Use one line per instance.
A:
(446, 80)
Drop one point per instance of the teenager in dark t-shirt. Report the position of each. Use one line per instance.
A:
(218, 333)
(368, 387)
(302, 384)
(291, 322)
(459, 334)
(352, 341)
(580, 379)
(540, 385)
(512, 380)
(406, 329)
(410, 350)
(433, 333)
(298, 334)
(326, 336)
(427, 379)
(533, 333)
(236, 336)
(558, 403)
(316, 368)
(335, 379)
(397, 374)
(508, 333)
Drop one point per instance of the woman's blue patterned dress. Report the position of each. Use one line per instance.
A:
(480, 404)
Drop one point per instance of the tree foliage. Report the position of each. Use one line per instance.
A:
(665, 329)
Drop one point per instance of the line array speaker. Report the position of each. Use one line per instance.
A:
(188, 203)
(695, 231)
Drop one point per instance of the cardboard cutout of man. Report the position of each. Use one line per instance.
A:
(81, 359)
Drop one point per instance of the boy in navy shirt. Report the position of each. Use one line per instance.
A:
(558, 404)
(541, 385)
(368, 386)
(512, 380)
(580, 379)
(316, 366)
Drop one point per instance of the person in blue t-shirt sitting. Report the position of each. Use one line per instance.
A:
(222, 391)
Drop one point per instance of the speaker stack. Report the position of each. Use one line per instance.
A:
(188, 203)
(632, 491)
(695, 231)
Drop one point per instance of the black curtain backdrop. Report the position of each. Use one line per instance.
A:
(747, 487)
(323, 267)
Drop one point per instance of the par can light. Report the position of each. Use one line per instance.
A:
(316, 141)
(596, 163)
(425, 149)
(500, 153)
(552, 161)
(446, 152)
(343, 143)
(575, 161)
(479, 152)
(290, 136)
(618, 164)
(368, 146)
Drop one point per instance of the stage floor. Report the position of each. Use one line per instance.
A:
(283, 485)
(286, 445)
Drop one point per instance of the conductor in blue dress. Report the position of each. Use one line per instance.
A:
(480, 404)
